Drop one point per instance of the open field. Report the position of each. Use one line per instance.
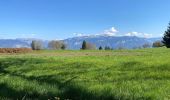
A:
(86, 75)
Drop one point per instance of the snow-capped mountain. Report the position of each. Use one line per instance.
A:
(128, 42)
(76, 42)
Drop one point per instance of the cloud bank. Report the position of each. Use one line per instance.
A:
(114, 32)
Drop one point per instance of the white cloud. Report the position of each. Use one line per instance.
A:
(33, 34)
(146, 35)
(79, 34)
(132, 34)
(110, 32)
(113, 32)
(58, 39)
(138, 34)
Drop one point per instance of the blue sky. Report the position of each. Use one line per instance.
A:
(60, 19)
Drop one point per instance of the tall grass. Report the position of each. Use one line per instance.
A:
(90, 75)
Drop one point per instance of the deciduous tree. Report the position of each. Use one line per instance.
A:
(36, 45)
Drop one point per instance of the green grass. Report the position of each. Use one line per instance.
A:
(86, 75)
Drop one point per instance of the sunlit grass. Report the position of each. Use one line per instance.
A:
(87, 75)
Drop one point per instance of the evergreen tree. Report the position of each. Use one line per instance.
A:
(107, 48)
(84, 45)
(63, 47)
(100, 48)
(166, 38)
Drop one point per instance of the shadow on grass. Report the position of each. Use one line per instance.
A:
(68, 89)
(7, 92)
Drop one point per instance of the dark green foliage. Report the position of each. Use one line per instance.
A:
(166, 38)
(100, 48)
(84, 45)
(107, 48)
(63, 47)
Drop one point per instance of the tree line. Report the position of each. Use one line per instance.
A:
(53, 45)
(60, 45)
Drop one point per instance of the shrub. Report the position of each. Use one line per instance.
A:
(158, 44)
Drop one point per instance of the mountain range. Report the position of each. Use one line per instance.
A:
(128, 42)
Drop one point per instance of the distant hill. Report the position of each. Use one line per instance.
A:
(128, 42)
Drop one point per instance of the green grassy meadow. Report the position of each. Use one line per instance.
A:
(142, 74)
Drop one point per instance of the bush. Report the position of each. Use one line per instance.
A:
(157, 44)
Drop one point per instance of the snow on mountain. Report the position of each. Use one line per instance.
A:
(128, 42)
